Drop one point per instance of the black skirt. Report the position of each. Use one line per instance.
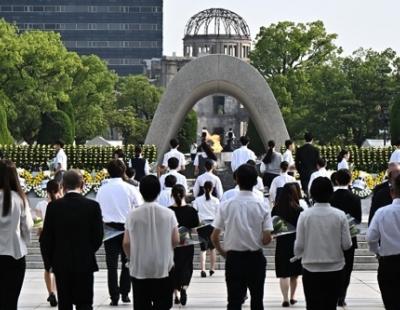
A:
(284, 252)
(183, 271)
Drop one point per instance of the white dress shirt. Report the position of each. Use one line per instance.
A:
(343, 165)
(42, 208)
(384, 231)
(260, 184)
(322, 235)
(15, 227)
(320, 173)
(196, 160)
(180, 179)
(61, 159)
(243, 220)
(178, 155)
(116, 199)
(165, 198)
(150, 229)
(206, 208)
(278, 182)
(241, 156)
(395, 157)
(288, 157)
(208, 177)
(232, 193)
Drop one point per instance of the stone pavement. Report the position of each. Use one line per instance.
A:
(210, 293)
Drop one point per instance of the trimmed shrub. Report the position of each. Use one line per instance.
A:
(5, 135)
(188, 133)
(55, 125)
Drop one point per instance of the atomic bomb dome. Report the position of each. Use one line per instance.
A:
(217, 31)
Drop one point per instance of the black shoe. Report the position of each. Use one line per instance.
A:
(211, 273)
(52, 300)
(114, 303)
(177, 301)
(183, 297)
(341, 303)
(293, 301)
(203, 274)
(285, 304)
(125, 299)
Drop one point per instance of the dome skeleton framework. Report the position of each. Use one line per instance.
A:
(225, 22)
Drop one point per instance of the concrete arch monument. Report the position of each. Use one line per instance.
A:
(212, 74)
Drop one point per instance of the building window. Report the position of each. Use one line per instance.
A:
(219, 105)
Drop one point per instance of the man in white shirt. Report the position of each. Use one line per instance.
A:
(280, 181)
(247, 225)
(232, 193)
(242, 154)
(60, 161)
(383, 240)
(208, 176)
(288, 154)
(117, 198)
(321, 166)
(174, 153)
(151, 233)
(173, 164)
(322, 235)
(165, 198)
(395, 157)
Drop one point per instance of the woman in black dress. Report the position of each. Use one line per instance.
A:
(288, 209)
(183, 256)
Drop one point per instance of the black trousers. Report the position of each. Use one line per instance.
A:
(321, 289)
(388, 280)
(74, 288)
(12, 274)
(346, 274)
(268, 178)
(152, 294)
(114, 250)
(245, 270)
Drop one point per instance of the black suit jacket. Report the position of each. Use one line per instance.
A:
(306, 160)
(380, 198)
(72, 234)
(349, 203)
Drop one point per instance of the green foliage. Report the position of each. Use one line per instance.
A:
(395, 122)
(188, 133)
(5, 136)
(83, 157)
(55, 125)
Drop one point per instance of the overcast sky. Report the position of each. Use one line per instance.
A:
(359, 23)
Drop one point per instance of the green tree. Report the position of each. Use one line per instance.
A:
(5, 136)
(139, 98)
(395, 121)
(124, 120)
(55, 125)
(188, 132)
(92, 97)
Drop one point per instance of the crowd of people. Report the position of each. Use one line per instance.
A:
(143, 220)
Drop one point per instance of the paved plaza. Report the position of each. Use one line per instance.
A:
(210, 293)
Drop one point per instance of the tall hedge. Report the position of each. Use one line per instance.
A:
(188, 133)
(5, 135)
(69, 110)
(255, 141)
(56, 125)
(395, 122)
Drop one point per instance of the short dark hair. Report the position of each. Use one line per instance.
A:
(138, 149)
(244, 140)
(321, 189)
(60, 142)
(174, 143)
(397, 143)
(173, 163)
(321, 162)
(246, 177)
(120, 153)
(251, 163)
(284, 166)
(334, 178)
(343, 177)
(209, 164)
(396, 186)
(130, 172)
(72, 179)
(288, 143)
(116, 168)
(170, 181)
(150, 188)
(308, 137)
